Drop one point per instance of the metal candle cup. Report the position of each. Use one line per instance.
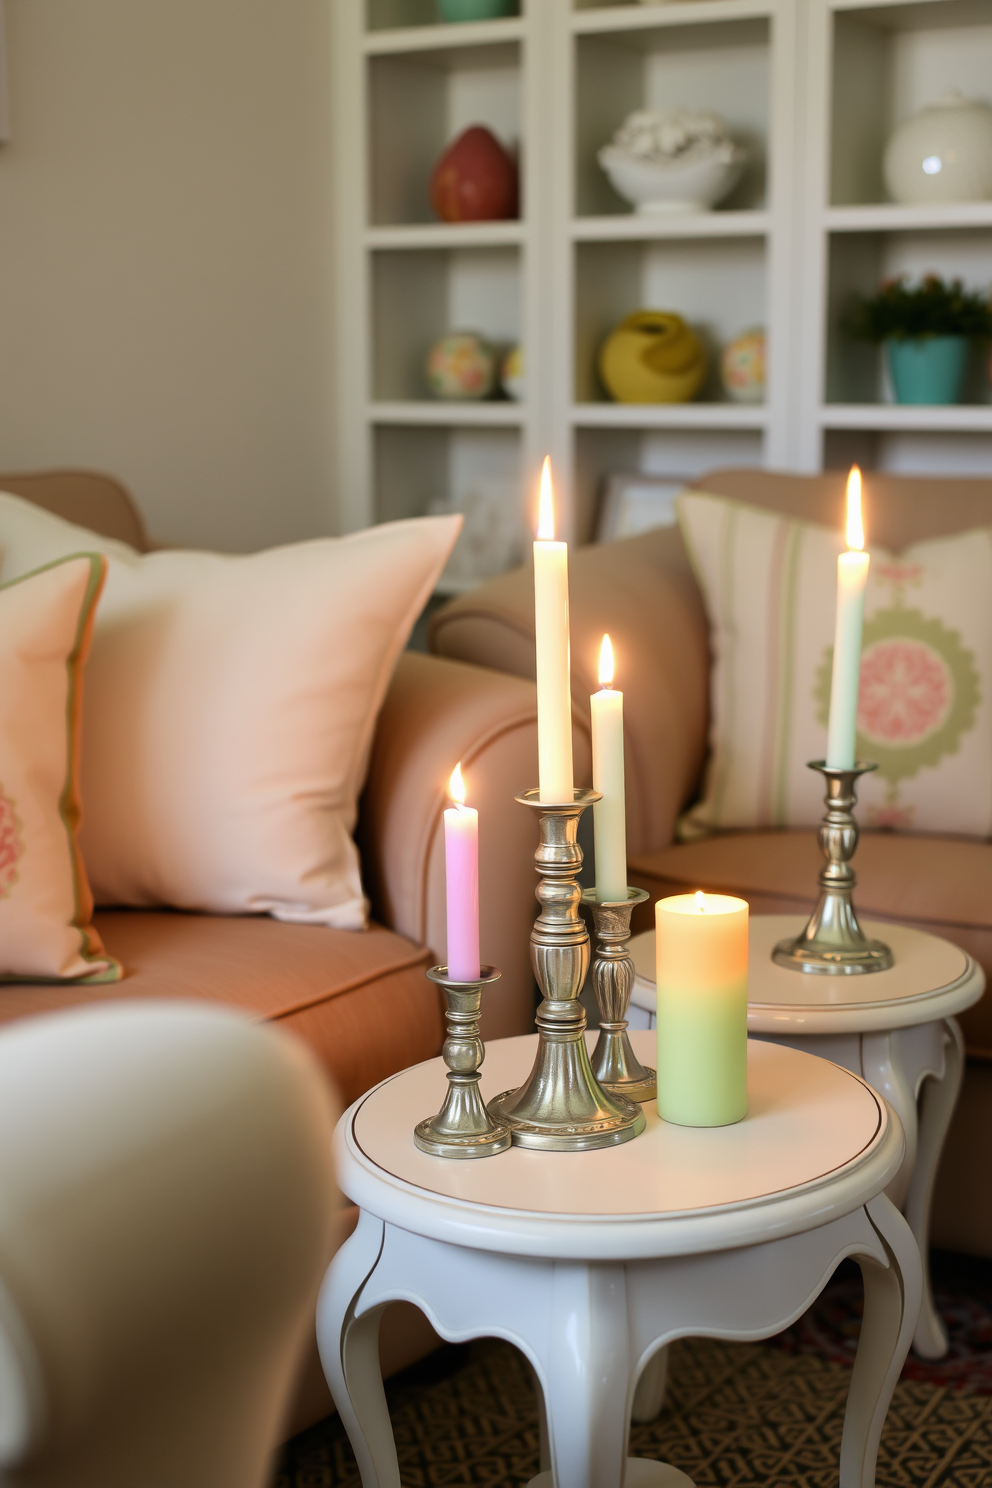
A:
(561, 1107)
(833, 943)
(463, 1127)
(614, 1063)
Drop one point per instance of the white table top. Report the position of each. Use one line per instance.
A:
(931, 979)
(810, 1124)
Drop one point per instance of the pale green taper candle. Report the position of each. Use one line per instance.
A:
(701, 955)
(852, 576)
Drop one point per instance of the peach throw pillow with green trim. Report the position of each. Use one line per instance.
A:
(46, 622)
(925, 706)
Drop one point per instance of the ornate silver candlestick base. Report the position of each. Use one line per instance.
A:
(561, 1107)
(463, 1127)
(614, 1063)
(833, 943)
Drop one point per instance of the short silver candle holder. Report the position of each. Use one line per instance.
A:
(833, 943)
(561, 1106)
(614, 1063)
(463, 1127)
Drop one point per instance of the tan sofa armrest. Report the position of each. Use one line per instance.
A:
(643, 593)
(436, 713)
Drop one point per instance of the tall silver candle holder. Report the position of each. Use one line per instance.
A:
(561, 1106)
(463, 1127)
(833, 943)
(614, 1063)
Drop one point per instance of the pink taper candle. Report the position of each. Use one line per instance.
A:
(461, 867)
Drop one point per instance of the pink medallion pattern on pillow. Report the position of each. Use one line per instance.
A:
(11, 846)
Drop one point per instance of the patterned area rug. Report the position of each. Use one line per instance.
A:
(737, 1415)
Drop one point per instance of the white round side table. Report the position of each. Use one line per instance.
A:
(591, 1263)
(896, 1028)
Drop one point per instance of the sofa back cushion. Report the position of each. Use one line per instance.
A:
(230, 708)
(924, 714)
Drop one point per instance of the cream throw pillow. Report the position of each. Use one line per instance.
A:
(230, 707)
(46, 621)
(769, 584)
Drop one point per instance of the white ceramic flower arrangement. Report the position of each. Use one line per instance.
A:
(671, 161)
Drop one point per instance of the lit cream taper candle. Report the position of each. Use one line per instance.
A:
(608, 779)
(701, 949)
(554, 693)
(852, 577)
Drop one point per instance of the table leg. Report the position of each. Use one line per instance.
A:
(893, 1295)
(649, 1396)
(937, 1101)
(349, 1353)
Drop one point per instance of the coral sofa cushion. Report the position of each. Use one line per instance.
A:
(46, 622)
(361, 1002)
(937, 884)
(230, 707)
(925, 705)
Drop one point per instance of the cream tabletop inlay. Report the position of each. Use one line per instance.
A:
(806, 1119)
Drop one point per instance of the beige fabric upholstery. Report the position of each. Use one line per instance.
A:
(167, 1212)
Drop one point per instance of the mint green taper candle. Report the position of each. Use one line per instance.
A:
(852, 577)
(701, 950)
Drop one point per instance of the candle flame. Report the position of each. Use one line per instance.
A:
(700, 901)
(606, 663)
(855, 522)
(456, 785)
(546, 511)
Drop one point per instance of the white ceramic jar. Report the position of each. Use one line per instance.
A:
(942, 154)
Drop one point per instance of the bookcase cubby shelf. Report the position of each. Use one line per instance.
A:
(800, 232)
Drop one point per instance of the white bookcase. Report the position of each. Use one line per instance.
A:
(813, 87)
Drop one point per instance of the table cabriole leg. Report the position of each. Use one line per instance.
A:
(893, 1294)
(348, 1343)
(649, 1397)
(937, 1101)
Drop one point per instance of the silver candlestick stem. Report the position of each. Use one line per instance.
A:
(561, 1107)
(463, 1127)
(833, 943)
(614, 1063)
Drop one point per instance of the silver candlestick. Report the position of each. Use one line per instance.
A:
(614, 1063)
(463, 1127)
(833, 943)
(561, 1107)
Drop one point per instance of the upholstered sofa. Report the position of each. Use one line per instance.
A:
(642, 591)
(360, 1000)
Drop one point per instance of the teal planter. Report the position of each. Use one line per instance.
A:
(474, 10)
(929, 369)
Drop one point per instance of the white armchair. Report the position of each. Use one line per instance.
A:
(167, 1210)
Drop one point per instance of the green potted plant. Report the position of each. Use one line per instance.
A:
(926, 329)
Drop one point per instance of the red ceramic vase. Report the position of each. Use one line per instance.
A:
(475, 179)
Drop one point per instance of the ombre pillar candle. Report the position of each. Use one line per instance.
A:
(701, 948)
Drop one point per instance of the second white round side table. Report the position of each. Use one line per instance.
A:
(895, 1028)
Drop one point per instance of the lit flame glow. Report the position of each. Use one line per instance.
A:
(456, 785)
(546, 511)
(606, 663)
(700, 901)
(855, 523)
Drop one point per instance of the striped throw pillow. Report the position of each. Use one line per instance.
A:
(924, 714)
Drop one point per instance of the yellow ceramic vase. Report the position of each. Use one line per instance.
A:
(652, 357)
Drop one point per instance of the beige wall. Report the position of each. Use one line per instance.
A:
(164, 244)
